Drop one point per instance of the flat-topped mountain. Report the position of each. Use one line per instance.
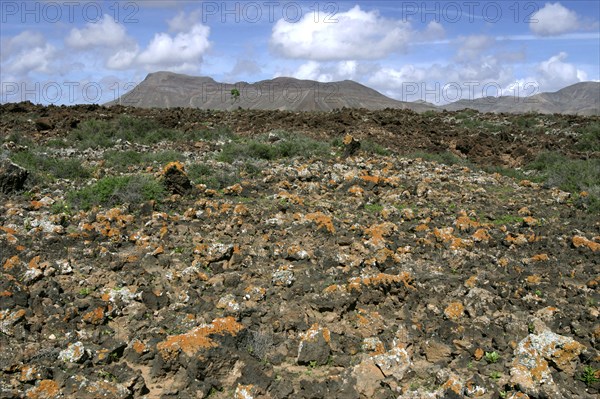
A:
(167, 89)
(581, 98)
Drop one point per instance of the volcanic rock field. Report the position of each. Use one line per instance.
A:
(181, 253)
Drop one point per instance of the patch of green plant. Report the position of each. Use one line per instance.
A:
(527, 121)
(60, 207)
(289, 145)
(495, 375)
(19, 139)
(573, 175)
(46, 167)
(589, 375)
(373, 208)
(121, 160)
(589, 139)
(102, 134)
(85, 291)
(509, 172)
(117, 190)
(372, 147)
(491, 357)
(508, 219)
(217, 179)
(446, 158)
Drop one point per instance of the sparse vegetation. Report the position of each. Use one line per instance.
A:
(589, 375)
(492, 357)
(286, 146)
(117, 190)
(573, 175)
(45, 167)
(123, 160)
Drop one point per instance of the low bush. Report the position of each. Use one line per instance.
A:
(117, 190)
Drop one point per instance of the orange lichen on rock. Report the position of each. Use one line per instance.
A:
(95, 316)
(138, 346)
(356, 190)
(235, 189)
(454, 310)
(198, 338)
(11, 262)
(381, 279)
(241, 210)
(481, 235)
(377, 232)
(371, 179)
(293, 198)
(177, 165)
(464, 223)
(323, 221)
(534, 279)
(45, 389)
(471, 282)
(530, 221)
(579, 241)
(540, 258)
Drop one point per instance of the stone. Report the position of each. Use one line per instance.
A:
(175, 179)
(12, 177)
(314, 346)
(368, 377)
(536, 355)
(436, 351)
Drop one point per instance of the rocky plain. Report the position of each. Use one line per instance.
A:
(180, 253)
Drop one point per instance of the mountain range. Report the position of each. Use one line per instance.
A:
(168, 89)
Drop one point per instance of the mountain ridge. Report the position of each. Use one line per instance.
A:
(168, 89)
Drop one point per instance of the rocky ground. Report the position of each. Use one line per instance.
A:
(357, 275)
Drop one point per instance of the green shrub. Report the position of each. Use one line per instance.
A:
(372, 147)
(117, 190)
(289, 145)
(102, 134)
(573, 175)
(446, 158)
(121, 160)
(45, 167)
(589, 139)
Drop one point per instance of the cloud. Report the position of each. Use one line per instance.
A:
(434, 31)
(471, 47)
(357, 34)
(185, 48)
(558, 73)
(27, 52)
(104, 33)
(182, 21)
(554, 19)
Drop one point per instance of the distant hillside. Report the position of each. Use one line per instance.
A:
(166, 90)
(581, 98)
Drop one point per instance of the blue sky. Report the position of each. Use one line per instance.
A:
(68, 52)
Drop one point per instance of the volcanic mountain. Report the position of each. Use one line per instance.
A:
(167, 90)
(581, 98)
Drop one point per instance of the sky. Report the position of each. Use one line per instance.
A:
(71, 52)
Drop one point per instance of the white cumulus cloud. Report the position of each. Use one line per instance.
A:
(558, 73)
(104, 33)
(184, 48)
(554, 19)
(27, 52)
(357, 34)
